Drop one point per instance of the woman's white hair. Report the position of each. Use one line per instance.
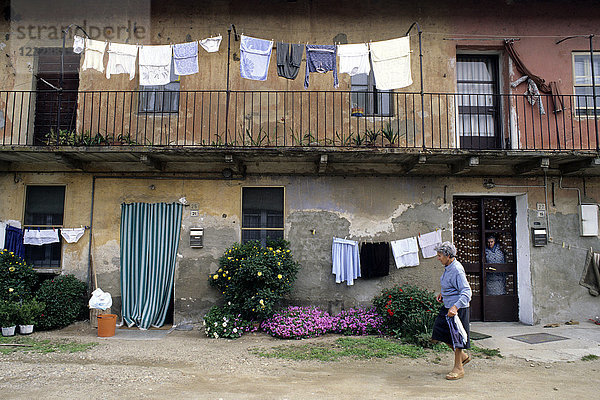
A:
(447, 249)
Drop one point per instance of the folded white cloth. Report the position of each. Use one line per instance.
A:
(121, 59)
(212, 44)
(429, 241)
(72, 235)
(391, 63)
(93, 57)
(78, 44)
(155, 65)
(40, 237)
(354, 59)
(406, 252)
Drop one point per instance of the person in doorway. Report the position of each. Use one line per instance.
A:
(493, 252)
(455, 297)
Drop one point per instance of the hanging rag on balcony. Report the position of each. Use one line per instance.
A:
(40, 237)
(121, 59)
(155, 65)
(375, 260)
(406, 252)
(3, 225)
(211, 44)
(391, 63)
(346, 261)
(13, 241)
(78, 44)
(93, 57)
(429, 241)
(255, 58)
(185, 58)
(321, 59)
(532, 93)
(354, 59)
(289, 58)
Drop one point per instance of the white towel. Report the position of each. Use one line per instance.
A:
(155, 65)
(121, 59)
(391, 63)
(354, 59)
(406, 252)
(78, 44)
(429, 241)
(212, 44)
(40, 237)
(93, 56)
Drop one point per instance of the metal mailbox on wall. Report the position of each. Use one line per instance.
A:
(196, 238)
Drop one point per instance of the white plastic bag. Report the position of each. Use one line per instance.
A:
(100, 299)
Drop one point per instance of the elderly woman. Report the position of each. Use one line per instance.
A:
(455, 296)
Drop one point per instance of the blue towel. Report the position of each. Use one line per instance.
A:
(458, 340)
(255, 58)
(185, 58)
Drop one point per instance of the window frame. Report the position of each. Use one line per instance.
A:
(45, 269)
(260, 229)
(157, 91)
(589, 111)
(371, 95)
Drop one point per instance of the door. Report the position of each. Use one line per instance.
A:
(478, 102)
(48, 101)
(484, 235)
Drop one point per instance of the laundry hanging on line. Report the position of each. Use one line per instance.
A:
(429, 241)
(121, 59)
(185, 58)
(391, 63)
(354, 59)
(374, 260)
(40, 237)
(321, 59)
(406, 252)
(289, 58)
(72, 235)
(346, 261)
(255, 58)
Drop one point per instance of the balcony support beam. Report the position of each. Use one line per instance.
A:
(463, 166)
(576, 166)
(71, 161)
(5, 165)
(530, 166)
(322, 164)
(152, 162)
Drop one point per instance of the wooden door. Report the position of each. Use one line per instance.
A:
(492, 274)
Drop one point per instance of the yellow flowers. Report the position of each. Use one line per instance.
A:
(216, 276)
(279, 276)
(259, 273)
(11, 269)
(10, 290)
(228, 278)
(262, 302)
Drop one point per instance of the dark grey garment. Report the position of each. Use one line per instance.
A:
(289, 58)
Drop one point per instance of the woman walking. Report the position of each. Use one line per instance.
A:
(455, 296)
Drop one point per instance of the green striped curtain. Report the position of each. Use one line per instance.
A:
(149, 242)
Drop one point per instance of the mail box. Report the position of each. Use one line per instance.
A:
(196, 237)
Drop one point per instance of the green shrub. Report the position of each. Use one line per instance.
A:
(8, 313)
(65, 300)
(18, 280)
(222, 322)
(253, 278)
(29, 312)
(407, 310)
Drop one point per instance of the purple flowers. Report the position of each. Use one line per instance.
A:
(307, 322)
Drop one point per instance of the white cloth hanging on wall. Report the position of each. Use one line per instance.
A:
(155, 65)
(354, 59)
(72, 235)
(429, 241)
(211, 44)
(93, 56)
(391, 63)
(406, 252)
(78, 44)
(121, 59)
(40, 237)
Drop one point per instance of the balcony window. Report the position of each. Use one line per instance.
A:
(367, 98)
(158, 99)
(262, 214)
(582, 84)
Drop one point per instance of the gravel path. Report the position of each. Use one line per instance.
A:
(187, 365)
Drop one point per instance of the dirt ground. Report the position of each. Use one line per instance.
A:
(187, 365)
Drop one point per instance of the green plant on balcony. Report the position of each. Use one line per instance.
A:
(256, 141)
(64, 137)
(371, 136)
(388, 133)
(358, 140)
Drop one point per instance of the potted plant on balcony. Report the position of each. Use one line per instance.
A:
(27, 313)
(8, 317)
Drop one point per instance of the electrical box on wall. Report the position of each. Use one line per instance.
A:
(196, 238)
(540, 236)
(588, 218)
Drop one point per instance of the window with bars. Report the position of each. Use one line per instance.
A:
(262, 214)
(366, 97)
(582, 84)
(157, 99)
(44, 209)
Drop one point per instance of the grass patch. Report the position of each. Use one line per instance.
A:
(360, 348)
(42, 346)
(486, 352)
(589, 357)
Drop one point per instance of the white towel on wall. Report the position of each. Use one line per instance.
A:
(40, 237)
(93, 56)
(406, 252)
(211, 45)
(155, 65)
(78, 44)
(429, 241)
(121, 59)
(354, 59)
(391, 63)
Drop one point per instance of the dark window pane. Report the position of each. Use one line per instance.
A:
(46, 256)
(262, 207)
(261, 235)
(44, 205)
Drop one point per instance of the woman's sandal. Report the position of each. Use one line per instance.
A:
(452, 376)
(466, 360)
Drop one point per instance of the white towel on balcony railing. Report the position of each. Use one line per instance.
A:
(93, 57)
(121, 59)
(391, 63)
(211, 44)
(255, 58)
(155, 65)
(185, 58)
(354, 59)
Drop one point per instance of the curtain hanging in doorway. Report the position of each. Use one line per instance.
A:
(149, 242)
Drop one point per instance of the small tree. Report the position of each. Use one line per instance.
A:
(18, 280)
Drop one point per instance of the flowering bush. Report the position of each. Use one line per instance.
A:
(396, 304)
(357, 321)
(66, 300)
(222, 322)
(253, 278)
(18, 280)
(298, 323)
(8, 313)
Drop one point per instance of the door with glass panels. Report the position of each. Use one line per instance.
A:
(484, 235)
(478, 103)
